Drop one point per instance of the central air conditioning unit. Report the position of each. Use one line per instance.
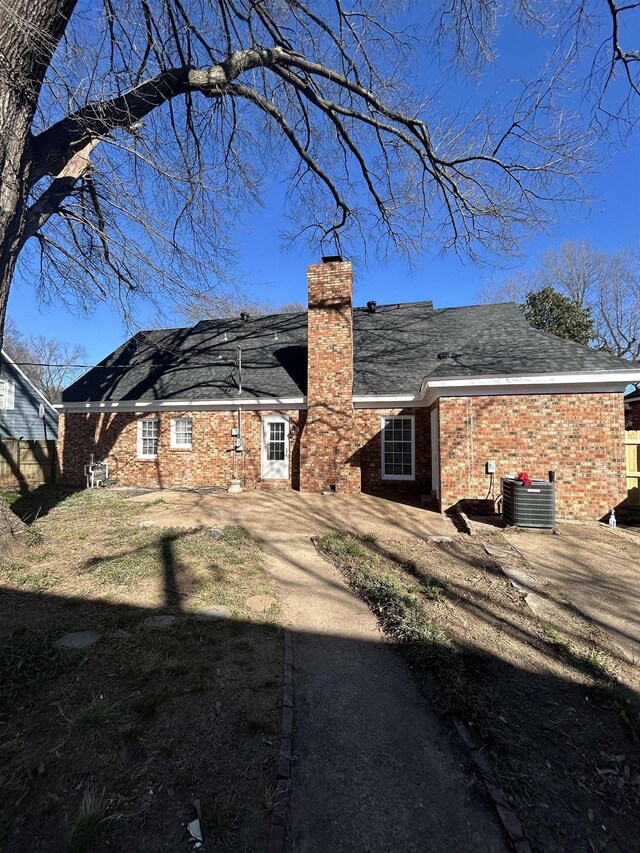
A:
(529, 506)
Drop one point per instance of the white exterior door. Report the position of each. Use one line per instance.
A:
(275, 447)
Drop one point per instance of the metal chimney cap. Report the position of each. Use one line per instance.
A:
(331, 259)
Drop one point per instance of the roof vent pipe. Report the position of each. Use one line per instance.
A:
(244, 316)
(371, 306)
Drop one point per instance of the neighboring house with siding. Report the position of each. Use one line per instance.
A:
(25, 413)
(402, 397)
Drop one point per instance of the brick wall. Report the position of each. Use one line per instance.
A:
(209, 463)
(580, 436)
(368, 424)
(329, 447)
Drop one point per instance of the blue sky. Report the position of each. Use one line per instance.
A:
(277, 275)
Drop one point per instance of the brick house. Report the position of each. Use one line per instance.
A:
(400, 397)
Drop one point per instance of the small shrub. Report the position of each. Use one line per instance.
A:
(93, 717)
(90, 821)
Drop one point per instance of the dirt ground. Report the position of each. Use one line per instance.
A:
(106, 748)
(597, 569)
(554, 701)
(550, 701)
(558, 700)
(296, 513)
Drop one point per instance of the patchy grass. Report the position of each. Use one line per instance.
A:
(548, 703)
(396, 599)
(89, 824)
(92, 718)
(183, 711)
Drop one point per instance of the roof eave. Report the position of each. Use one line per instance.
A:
(605, 380)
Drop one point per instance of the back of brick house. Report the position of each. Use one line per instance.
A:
(349, 412)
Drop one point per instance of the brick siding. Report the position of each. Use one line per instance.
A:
(580, 436)
(210, 462)
(368, 423)
(114, 437)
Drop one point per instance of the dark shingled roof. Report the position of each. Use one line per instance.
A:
(395, 348)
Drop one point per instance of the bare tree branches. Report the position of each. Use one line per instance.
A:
(49, 363)
(161, 121)
(607, 285)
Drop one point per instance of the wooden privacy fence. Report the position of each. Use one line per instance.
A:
(27, 462)
(632, 448)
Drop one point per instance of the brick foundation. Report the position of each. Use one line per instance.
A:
(580, 436)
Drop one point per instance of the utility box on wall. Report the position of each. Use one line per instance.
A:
(529, 506)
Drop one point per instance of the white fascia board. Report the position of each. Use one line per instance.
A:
(388, 401)
(561, 383)
(185, 405)
(10, 361)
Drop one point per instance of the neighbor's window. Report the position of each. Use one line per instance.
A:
(7, 395)
(398, 448)
(181, 433)
(147, 439)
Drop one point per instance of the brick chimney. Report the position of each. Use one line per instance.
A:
(328, 441)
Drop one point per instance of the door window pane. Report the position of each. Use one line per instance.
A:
(275, 450)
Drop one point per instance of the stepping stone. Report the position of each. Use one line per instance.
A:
(497, 552)
(160, 620)
(78, 640)
(212, 614)
(213, 532)
(260, 603)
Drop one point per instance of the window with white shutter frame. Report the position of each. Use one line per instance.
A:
(147, 438)
(181, 433)
(7, 395)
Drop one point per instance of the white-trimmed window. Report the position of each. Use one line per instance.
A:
(7, 395)
(398, 448)
(181, 433)
(148, 438)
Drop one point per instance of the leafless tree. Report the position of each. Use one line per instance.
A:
(49, 363)
(136, 133)
(607, 284)
(206, 306)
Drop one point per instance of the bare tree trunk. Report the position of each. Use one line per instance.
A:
(30, 31)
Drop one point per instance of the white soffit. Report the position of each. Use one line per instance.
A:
(552, 383)
(184, 405)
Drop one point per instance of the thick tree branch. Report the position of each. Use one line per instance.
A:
(51, 199)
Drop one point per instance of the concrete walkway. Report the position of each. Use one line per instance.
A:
(374, 770)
